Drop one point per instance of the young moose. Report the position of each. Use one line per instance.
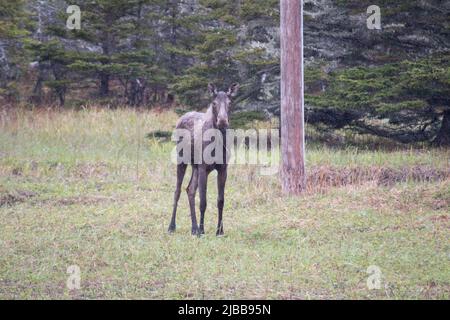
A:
(217, 117)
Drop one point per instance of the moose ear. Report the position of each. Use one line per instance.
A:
(212, 89)
(233, 91)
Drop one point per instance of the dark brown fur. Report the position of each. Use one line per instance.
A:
(215, 118)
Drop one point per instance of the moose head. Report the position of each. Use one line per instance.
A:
(221, 105)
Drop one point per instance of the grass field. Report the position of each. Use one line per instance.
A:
(89, 189)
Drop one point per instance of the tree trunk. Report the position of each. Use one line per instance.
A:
(104, 84)
(173, 37)
(36, 97)
(108, 49)
(293, 173)
(38, 93)
(443, 137)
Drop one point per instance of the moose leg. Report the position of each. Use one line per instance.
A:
(181, 171)
(203, 187)
(221, 181)
(191, 191)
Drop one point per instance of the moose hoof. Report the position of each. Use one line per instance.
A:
(220, 234)
(172, 229)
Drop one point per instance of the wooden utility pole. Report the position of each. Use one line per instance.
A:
(293, 174)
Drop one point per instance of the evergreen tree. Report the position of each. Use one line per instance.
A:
(53, 62)
(11, 17)
(390, 83)
(258, 55)
(12, 28)
(212, 55)
(107, 25)
(407, 101)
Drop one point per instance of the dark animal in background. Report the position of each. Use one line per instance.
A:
(217, 117)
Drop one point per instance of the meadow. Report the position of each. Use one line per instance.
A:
(90, 188)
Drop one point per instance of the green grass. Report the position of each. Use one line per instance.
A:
(89, 189)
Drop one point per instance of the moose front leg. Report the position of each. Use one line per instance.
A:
(203, 188)
(221, 182)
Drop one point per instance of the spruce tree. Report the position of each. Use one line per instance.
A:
(407, 101)
(107, 25)
(13, 28)
(212, 54)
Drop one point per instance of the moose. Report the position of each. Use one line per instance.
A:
(216, 118)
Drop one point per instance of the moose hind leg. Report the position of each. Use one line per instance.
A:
(191, 191)
(181, 172)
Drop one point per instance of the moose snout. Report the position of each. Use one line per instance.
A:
(222, 123)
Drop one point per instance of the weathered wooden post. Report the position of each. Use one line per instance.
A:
(293, 175)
